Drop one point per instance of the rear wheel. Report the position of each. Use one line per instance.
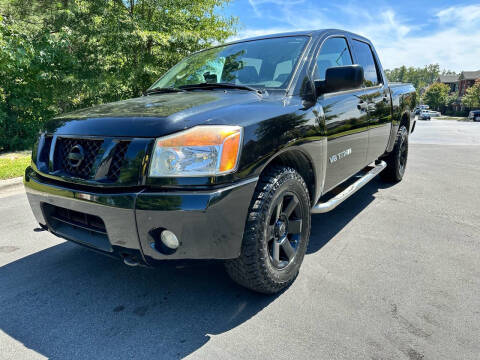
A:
(397, 159)
(276, 233)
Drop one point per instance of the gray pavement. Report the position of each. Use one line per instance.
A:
(393, 273)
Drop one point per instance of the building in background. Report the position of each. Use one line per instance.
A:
(458, 84)
(466, 80)
(452, 80)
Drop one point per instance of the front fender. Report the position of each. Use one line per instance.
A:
(297, 138)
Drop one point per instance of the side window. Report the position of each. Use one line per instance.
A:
(367, 61)
(334, 52)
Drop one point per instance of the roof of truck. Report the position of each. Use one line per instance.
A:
(318, 32)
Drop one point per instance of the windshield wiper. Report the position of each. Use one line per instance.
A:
(219, 86)
(163, 90)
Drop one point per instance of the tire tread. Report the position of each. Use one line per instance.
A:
(250, 269)
(391, 172)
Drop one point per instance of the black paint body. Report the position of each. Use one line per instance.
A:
(293, 125)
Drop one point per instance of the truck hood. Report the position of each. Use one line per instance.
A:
(154, 115)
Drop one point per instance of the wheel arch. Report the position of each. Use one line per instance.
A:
(301, 162)
(405, 119)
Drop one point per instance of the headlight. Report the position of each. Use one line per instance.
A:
(200, 151)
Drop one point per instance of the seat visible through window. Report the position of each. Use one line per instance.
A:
(247, 75)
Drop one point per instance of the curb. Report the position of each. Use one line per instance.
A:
(9, 184)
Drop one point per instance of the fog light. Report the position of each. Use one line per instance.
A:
(164, 241)
(169, 239)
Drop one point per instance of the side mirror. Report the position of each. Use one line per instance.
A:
(340, 78)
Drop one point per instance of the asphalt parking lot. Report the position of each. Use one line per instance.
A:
(393, 273)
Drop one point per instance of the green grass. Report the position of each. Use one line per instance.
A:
(13, 164)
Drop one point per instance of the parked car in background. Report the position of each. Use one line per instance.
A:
(421, 108)
(424, 115)
(474, 115)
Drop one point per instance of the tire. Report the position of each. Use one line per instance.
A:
(267, 263)
(397, 159)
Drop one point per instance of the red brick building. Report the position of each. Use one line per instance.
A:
(466, 80)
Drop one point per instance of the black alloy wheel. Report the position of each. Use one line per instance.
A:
(403, 156)
(276, 234)
(397, 159)
(284, 230)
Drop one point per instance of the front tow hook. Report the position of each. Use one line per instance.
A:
(130, 261)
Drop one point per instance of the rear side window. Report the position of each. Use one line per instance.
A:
(367, 61)
(334, 52)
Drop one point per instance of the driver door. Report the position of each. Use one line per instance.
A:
(346, 117)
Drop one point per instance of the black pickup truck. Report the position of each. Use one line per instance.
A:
(226, 156)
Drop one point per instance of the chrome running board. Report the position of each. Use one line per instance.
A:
(349, 191)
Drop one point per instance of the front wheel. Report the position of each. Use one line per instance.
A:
(276, 233)
(397, 159)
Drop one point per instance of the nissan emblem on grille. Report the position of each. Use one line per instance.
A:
(76, 156)
(86, 159)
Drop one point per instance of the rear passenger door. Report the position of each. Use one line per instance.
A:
(377, 96)
(346, 117)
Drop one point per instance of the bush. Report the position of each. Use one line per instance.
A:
(457, 113)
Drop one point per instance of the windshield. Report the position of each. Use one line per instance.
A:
(266, 63)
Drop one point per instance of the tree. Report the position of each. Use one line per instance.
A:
(419, 77)
(471, 99)
(436, 95)
(451, 99)
(59, 55)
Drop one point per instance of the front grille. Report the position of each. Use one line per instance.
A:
(117, 160)
(104, 160)
(90, 147)
(45, 150)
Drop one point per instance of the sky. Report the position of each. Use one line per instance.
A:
(411, 33)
